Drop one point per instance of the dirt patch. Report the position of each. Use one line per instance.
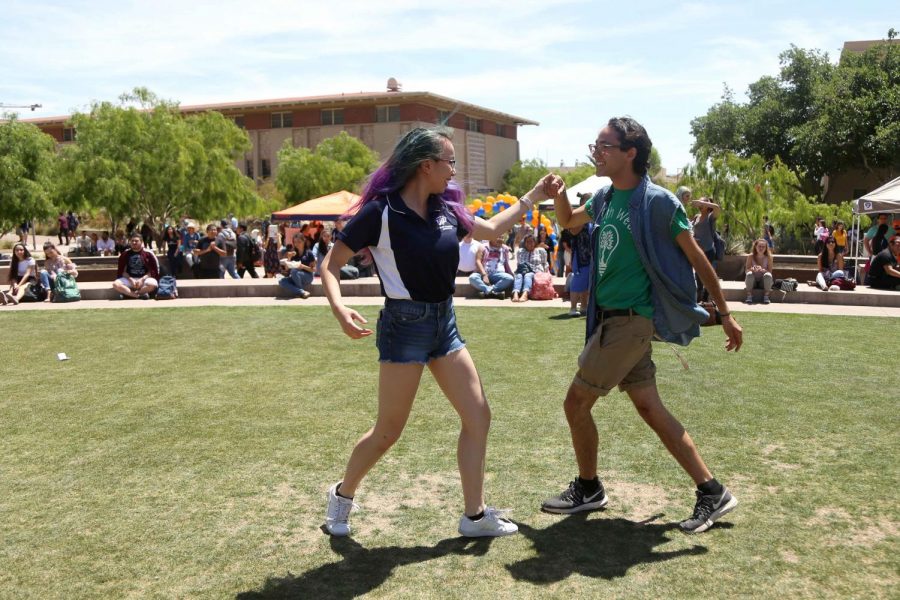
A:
(638, 501)
(827, 516)
(789, 557)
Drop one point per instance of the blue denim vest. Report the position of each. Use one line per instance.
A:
(676, 314)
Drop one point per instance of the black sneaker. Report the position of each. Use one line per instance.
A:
(573, 500)
(708, 510)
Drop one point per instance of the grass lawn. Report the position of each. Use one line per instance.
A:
(185, 453)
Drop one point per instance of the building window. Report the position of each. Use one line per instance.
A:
(501, 130)
(333, 116)
(282, 120)
(239, 121)
(248, 167)
(387, 114)
(473, 124)
(443, 117)
(265, 169)
(68, 134)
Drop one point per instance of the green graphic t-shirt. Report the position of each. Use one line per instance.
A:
(620, 279)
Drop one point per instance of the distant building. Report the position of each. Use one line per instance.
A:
(485, 140)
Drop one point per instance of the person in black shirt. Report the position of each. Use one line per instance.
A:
(884, 273)
(207, 254)
(411, 218)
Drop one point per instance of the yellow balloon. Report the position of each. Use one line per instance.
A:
(502, 208)
(490, 200)
(476, 203)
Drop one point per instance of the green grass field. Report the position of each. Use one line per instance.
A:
(185, 453)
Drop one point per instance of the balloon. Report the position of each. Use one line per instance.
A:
(489, 199)
(479, 212)
(535, 219)
(528, 216)
(472, 208)
(503, 207)
(477, 203)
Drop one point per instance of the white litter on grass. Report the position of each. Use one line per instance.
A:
(62, 356)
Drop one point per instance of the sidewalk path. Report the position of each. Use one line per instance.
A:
(563, 307)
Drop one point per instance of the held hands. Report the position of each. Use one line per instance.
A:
(554, 186)
(348, 318)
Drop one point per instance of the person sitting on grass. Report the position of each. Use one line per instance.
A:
(493, 276)
(21, 271)
(299, 266)
(54, 263)
(759, 267)
(529, 260)
(831, 264)
(884, 273)
(137, 275)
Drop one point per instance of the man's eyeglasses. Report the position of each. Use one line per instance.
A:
(604, 148)
(897, 243)
(447, 160)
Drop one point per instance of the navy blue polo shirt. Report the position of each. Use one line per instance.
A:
(416, 258)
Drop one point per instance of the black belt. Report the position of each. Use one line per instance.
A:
(607, 313)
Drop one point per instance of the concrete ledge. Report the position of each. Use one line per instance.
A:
(369, 287)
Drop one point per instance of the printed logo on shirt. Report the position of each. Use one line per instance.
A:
(609, 237)
(443, 224)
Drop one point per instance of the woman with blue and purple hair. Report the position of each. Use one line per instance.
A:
(411, 217)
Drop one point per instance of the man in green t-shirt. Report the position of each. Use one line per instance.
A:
(618, 350)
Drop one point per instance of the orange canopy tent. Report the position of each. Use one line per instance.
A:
(326, 208)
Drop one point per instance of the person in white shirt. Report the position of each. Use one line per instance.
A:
(468, 252)
(106, 246)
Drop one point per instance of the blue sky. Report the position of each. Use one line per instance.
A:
(569, 64)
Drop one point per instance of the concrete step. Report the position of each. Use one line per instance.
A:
(369, 287)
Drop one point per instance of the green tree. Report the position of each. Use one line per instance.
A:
(521, 177)
(149, 161)
(26, 164)
(749, 188)
(818, 117)
(338, 163)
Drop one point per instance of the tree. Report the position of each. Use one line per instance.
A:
(338, 163)
(818, 117)
(151, 162)
(522, 176)
(26, 163)
(749, 188)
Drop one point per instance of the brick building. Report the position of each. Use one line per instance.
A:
(485, 140)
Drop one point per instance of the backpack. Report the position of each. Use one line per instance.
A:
(65, 289)
(786, 285)
(718, 242)
(34, 292)
(542, 288)
(255, 252)
(168, 289)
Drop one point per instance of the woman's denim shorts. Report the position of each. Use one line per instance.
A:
(417, 332)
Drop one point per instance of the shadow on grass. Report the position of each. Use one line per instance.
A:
(360, 570)
(604, 548)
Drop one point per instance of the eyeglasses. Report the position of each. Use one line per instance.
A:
(897, 243)
(452, 162)
(603, 148)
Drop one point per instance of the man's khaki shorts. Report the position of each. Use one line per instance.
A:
(618, 354)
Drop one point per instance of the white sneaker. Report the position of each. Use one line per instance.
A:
(492, 524)
(574, 313)
(338, 514)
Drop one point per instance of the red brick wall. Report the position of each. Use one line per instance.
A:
(56, 132)
(358, 115)
(418, 112)
(258, 121)
(307, 118)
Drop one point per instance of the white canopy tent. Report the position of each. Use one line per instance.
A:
(588, 186)
(885, 199)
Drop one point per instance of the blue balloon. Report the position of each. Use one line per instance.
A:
(479, 212)
(553, 237)
(528, 216)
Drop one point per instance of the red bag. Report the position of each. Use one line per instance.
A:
(542, 288)
(844, 284)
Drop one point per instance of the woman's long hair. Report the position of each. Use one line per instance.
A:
(824, 263)
(14, 263)
(414, 148)
(768, 252)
